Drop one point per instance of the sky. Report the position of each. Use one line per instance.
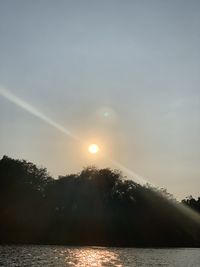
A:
(122, 74)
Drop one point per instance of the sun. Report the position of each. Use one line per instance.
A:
(93, 148)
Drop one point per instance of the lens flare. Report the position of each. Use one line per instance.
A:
(93, 148)
(130, 173)
(34, 111)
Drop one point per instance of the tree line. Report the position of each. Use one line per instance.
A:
(92, 207)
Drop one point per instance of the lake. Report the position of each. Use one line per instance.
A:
(97, 256)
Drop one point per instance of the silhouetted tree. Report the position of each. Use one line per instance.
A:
(93, 207)
(192, 203)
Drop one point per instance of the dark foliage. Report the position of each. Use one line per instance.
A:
(192, 203)
(94, 207)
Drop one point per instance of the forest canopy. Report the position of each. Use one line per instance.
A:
(92, 207)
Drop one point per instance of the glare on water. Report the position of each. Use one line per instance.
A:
(59, 256)
(92, 257)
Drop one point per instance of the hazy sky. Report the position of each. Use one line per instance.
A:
(123, 74)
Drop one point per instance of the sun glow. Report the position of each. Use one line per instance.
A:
(93, 148)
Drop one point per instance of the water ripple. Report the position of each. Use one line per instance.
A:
(59, 256)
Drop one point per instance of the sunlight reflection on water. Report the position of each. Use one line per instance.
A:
(92, 257)
(59, 256)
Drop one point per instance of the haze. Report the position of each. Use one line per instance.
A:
(121, 74)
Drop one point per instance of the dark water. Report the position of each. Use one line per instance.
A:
(95, 256)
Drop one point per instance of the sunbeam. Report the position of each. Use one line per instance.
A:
(132, 175)
(34, 111)
(127, 171)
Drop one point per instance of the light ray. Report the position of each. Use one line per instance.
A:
(34, 111)
(37, 113)
(133, 175)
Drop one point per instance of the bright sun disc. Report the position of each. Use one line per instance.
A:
(93, 148)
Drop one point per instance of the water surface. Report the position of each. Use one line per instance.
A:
(97, 256)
